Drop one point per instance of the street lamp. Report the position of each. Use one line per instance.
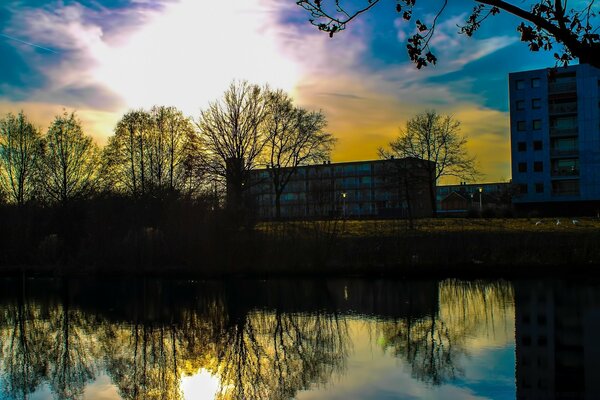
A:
(480, 204)
(344, 194)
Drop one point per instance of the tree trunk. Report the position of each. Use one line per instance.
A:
(432, 196)
(278, 204)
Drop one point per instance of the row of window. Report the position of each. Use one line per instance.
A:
(561, 187)
(537, 145)
(536, 104)
(534, 82)
(523, 188)
(536, 125)
(538, 166)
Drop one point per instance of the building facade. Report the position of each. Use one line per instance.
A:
(460, 198)
(396, 188)
(555, 136)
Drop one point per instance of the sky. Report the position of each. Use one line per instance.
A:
(102, 58)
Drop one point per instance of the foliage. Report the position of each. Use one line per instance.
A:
(545, 24)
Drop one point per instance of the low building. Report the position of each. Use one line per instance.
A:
(395, 188)
(459, 199)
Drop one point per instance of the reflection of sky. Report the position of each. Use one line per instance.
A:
(372, 373)
(114, 55)
(375, 374)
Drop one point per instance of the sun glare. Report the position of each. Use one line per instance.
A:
(188, 54)
(201, 386)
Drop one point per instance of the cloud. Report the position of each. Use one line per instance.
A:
(366, 101)
(183, 53)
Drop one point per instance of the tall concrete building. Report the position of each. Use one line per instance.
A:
(555, 138)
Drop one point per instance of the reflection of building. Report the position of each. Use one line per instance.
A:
(555, 137)
(558, 352)
(379, 188)
(458, 199)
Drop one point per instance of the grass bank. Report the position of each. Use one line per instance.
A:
(194, 245)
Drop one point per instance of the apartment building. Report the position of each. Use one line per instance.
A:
(555, 137)
(396, 188)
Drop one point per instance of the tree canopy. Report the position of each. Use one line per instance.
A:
(546, 24)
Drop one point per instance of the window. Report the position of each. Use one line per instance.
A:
(565, 187)
(536, 104)
(542, 341)
(520, 84)
(523, 188)
(535, 82)
(522, 146)
(565, 167)
(537, 144)
(522, 167)
(520, 104)
(521, 126)
(537, 124)
(539, 188)
(538, 166)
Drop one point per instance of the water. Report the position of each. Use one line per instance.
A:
(298, 339)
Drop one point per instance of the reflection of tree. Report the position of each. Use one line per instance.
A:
(142, 361)
(23, 348)
(433, 345)
(273, 355)
(146, 359)
(429, 347)
(71, 354)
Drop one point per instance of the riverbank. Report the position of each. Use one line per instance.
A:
(469, 248)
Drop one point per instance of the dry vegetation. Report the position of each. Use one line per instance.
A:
(370, 228)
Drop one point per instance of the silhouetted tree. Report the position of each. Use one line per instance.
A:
(295, 137)
(20, 151)
(153, 151)
(546, 23)
(70, 163)
(432, 137)
(231, 131)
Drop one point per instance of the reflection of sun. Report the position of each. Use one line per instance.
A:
(201, 386)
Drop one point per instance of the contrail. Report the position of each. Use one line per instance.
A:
(27, 43)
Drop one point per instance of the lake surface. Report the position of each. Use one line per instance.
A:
(298, 339)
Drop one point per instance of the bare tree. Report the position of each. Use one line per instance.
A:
(20, 145)
(153, 152)
(231, 131)
(124, 154)
(546, 23)
(432, 137)
(295, 137)
(70, 162)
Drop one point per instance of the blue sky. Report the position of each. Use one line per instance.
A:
(110, 56)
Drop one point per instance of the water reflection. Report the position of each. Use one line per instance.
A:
(434, 344)
(288, 339)
(558, 352)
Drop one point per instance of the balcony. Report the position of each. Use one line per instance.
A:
(562, 108)
(564, 152)
(565, 188)
(562, 87)
(572, 131)
(565, 171)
